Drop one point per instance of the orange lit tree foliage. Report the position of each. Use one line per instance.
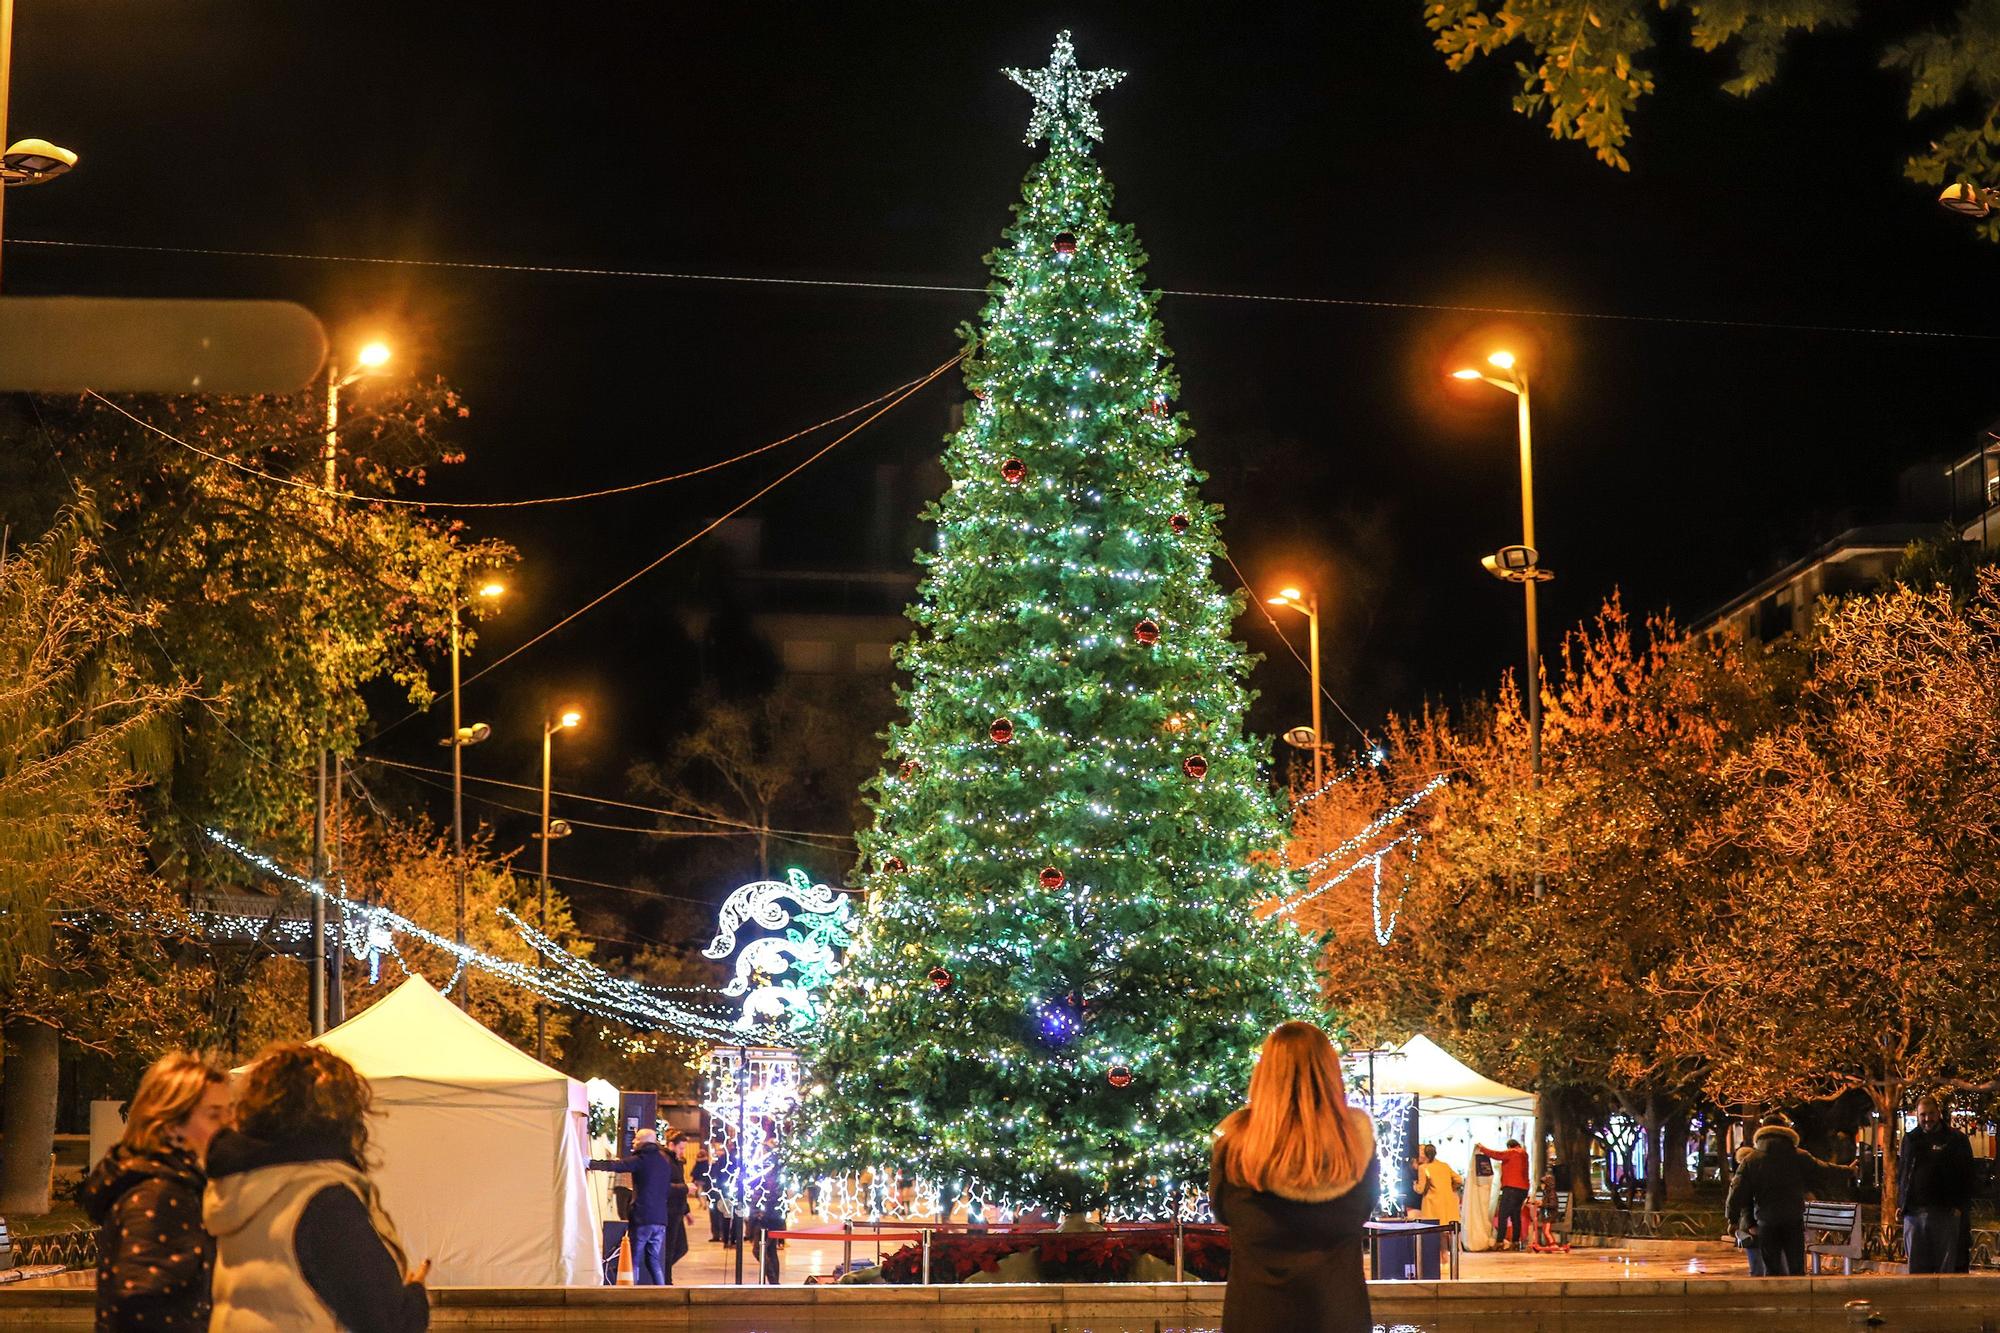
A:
(1552, 992)
(1859, 946)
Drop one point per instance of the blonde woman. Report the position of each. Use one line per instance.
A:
(153, 1258)
(1294, 1177)
(1437, 1186)
(302, 1242)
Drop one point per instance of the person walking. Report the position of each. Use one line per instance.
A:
(1767, 1201)
(154, 1260)
(699, 1182)
(1746, 1238)
(1437, 1187)
(765, 1197)
(659, 1207)
(302, 1241)
(1293, 1177)
(1933, 1190)
(1513, 1163)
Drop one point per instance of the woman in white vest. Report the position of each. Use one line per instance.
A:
(302, 1243)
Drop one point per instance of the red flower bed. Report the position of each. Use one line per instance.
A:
(1064, 1256)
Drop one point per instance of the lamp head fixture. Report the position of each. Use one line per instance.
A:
(32, 161)
(471, 735)
(1967, 199)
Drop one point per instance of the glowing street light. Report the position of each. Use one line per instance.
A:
(371, 358)
(1521, 563)
(487, 590)
(569, 718)
(1307, 606)
(1973, 201)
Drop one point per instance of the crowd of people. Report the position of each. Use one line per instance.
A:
(249, 1208)
(1775, 1177)
(661, 1183)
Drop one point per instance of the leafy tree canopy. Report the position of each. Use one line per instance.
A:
(1584, 65)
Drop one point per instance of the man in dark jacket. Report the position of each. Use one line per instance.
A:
(1768, 1198)
(1933, 1189)
(659, 1208)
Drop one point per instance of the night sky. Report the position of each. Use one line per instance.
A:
(1288, 150)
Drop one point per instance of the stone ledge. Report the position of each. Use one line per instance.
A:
(712, 1309)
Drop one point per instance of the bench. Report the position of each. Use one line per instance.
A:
(1560, 1223)
(1833, 1229)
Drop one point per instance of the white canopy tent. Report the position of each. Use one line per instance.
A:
(1457, 1108)
(1447, 1087)
(483, 1150)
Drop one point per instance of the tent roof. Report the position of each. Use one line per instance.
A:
(1446, 1086)
(415, 1033)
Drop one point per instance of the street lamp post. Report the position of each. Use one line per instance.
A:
(462, 736)
(372, 358)
(31, 161)
(559, 829)
(1307, 605)
(1521, 564)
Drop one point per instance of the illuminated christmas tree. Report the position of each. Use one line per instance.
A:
(1060, 978)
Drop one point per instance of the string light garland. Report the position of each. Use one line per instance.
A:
(370, 933)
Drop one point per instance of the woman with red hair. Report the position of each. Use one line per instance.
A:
(1294, 1176)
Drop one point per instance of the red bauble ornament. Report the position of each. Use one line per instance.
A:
(1146, 631)
(940, 979)
(1195, 767)
(1158, 407)
(1179, 522)
(1065, 243)
(908, 770)
(1119, 1075)
(1013, 472)
(1051, 877)
(1002, 730)
(894, 866)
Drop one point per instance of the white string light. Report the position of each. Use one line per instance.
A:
(370, 930)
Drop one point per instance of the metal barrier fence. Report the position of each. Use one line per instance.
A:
(921, 1232)
(75, 1248)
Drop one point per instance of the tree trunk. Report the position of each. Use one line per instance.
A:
(1573, 1147)
(1654, 1121)
(27, 1117)
(1888, 1098)
(1675, 1182)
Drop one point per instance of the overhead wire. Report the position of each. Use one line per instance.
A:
(692, 538)
(670, 275)
(408, 502)
(738, 824)
(748, 830)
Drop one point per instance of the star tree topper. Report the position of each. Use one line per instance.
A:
(1062, 94)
